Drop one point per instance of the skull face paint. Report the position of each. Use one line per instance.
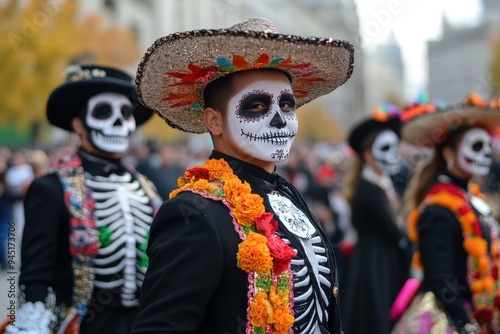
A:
(474, 152)
(110, 122)
(385, 151)
(262, 120)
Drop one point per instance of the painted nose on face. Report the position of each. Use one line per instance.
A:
(278, 121)
(118, 122)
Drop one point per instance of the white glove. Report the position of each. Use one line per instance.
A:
(32, 318)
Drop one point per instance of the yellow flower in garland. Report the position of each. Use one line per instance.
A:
(262, 254)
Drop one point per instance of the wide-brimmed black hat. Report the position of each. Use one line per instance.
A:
(385, 116)
(83, 82)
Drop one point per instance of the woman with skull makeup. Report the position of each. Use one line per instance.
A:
(451, 224)
(236, 249)
(379, 264)
(88, 218)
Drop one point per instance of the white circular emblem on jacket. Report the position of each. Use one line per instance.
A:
(292, 217)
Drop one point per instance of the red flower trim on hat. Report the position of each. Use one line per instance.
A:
(187, 94)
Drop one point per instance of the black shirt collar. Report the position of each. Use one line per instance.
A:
(100, 166)
(447, 177)
(241, 168)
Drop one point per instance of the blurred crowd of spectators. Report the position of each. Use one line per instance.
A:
(316, 169)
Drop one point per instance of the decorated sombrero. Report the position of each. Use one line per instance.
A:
(83, 82)
(435, 123)
(176, 69)
(384, 116)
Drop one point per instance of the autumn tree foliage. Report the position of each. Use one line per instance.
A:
(40, 38)
(495, 65)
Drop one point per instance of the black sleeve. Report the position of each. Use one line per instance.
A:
(44, 210)
(185, 266)
(374, 201)
(439, 232)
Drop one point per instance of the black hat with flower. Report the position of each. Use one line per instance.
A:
(384, 116)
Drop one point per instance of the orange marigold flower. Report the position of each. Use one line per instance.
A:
(248, 208)
(260, 310)
(219, 169)
(283, 320)
(447, 200)
(476, 286)
(484, 263)
(254, 255)
(488, 284)
(412, 225)
(416, 261)
(467, 222)
(475, 246)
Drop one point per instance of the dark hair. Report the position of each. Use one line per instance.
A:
(218, 92)
(427, 171)
(357, 162)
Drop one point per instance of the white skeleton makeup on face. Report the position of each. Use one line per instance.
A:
(386, 153)
(474, 152)
(262, 120)
(110, 122)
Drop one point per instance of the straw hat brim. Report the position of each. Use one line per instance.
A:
(433, 128)
(176, 68)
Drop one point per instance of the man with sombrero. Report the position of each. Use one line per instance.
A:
(87, 220)
(236, 248)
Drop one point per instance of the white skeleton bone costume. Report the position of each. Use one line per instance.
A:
(88, 218)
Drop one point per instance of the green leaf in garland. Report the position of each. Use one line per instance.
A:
(258, 330)
(105, 236)
(283, 283)
(264, 283)
(219, 193)
(144, 261)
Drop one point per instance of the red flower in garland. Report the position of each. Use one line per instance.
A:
(281, 253)
(484, 315)
(266, 223)
(198, 172)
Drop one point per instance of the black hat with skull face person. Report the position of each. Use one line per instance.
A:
(104, 99)
(382, 131)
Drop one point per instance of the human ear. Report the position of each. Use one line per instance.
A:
(448, 153)
(368, 156)
(213, 121)
(77, 125)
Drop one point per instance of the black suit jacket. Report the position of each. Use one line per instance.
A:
(193, 283)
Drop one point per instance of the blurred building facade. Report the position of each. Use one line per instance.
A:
(459, 62)
(152, 19)
(384, 74)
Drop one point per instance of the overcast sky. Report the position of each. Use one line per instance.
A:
(413, 23)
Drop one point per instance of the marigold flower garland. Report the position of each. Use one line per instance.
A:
(262, 254)
(482, 268)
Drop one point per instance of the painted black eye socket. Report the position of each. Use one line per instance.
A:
(477, 146)
(254, 105)
(385, 148)
(287, 103)
(127, 112)
(102, 111)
